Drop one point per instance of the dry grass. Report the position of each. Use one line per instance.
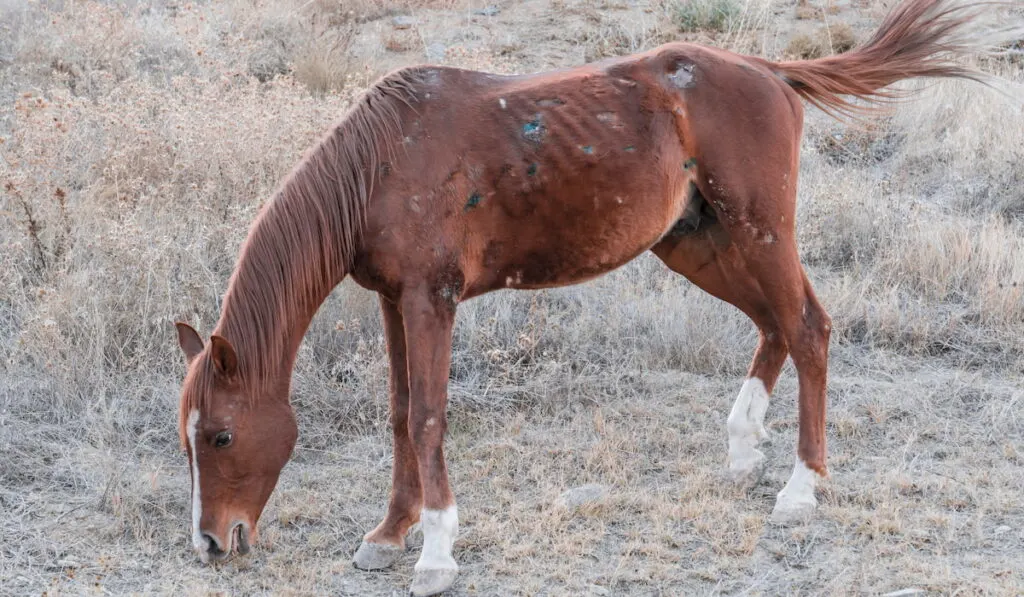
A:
(805, 10)
(714, 15)
(137, 144)
(834, 38)
(613, 37)
(803, 47)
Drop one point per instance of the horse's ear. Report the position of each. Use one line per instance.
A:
(190, 342)
(223, 354)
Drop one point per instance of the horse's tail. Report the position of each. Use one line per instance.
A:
(919, 38)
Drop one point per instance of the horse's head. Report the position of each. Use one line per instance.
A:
(236, 442)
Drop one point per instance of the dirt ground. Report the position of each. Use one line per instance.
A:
(137, 141)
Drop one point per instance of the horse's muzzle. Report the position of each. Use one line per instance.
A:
(215, 550)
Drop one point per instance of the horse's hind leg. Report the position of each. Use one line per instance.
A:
(710, 261)
(763, 241)
(385, 544)
(746, 127)
(806, 328)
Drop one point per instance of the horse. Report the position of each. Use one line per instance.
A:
(443, 184)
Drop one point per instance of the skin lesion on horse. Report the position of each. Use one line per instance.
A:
(345, 211)
(683, 76)
(474, 200)
(534, 130)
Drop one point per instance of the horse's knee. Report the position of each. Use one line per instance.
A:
(427, 429)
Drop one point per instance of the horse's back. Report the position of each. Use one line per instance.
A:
(549, 179)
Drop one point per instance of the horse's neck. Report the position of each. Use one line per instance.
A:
(292, 259)
(303, 242)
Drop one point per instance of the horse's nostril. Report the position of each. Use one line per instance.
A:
(212, 546)
(241, 536)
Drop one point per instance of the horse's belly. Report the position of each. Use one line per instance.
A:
(552, 250)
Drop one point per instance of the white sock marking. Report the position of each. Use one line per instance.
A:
(799, 491)
(197, 505)
(439, 530)
(746, 424)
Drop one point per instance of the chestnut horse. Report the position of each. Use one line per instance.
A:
(442, 184)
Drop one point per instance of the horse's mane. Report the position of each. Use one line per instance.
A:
(304, 240)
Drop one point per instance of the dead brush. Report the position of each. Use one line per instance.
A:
(32, 228)
(402, 40)
(806, 11)
(834, 38)
(624, 381)
(322, 62)
(706, 15)
(616, 38)
(40, 206)
(865, 143)
(340, 12)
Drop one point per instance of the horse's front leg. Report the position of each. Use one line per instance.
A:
(429, 317)
(383, 545)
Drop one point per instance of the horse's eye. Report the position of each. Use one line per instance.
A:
(222, 440)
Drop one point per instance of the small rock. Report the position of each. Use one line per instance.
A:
(582, 496)
(1002, 529)
(487, 11)
(403, 22)
(598, 590)
(436, 52)
(905, 592)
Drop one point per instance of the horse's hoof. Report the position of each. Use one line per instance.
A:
(432, 582)
(789, 512)
(376, 556)
(745, 473)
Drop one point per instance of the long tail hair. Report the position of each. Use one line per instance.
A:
(919, 38)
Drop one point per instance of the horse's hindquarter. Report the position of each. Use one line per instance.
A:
(529, 182)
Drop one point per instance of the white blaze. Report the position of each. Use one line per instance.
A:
(197, 504)
(439, 530)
